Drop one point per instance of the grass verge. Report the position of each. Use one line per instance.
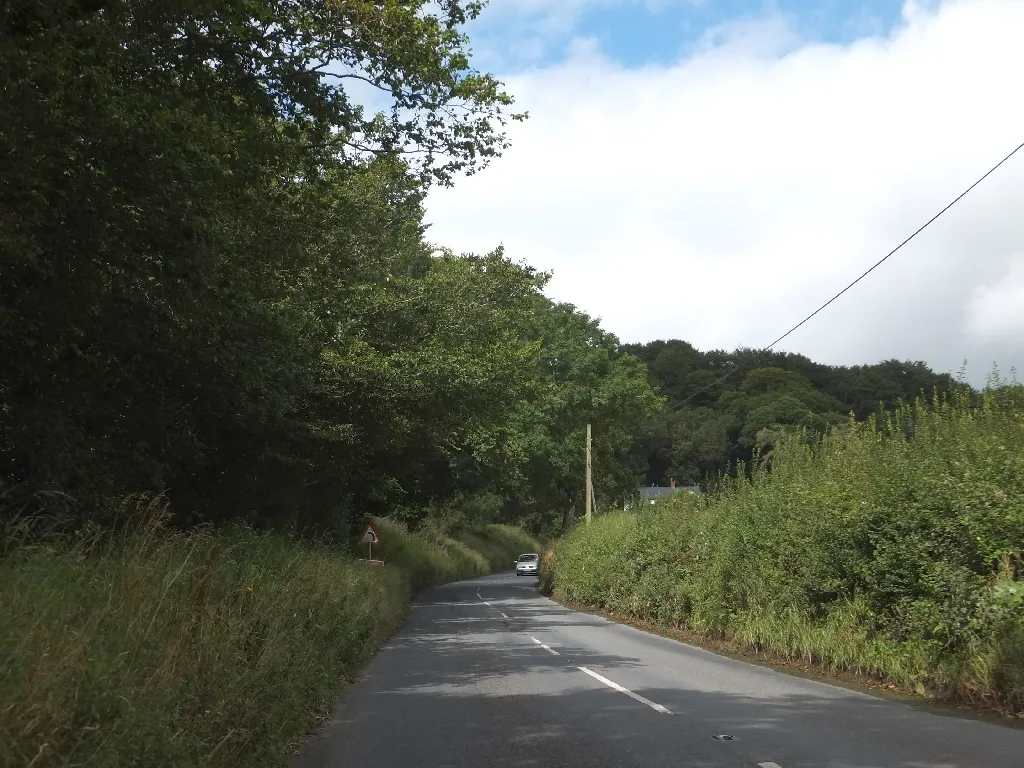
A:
(196, 648)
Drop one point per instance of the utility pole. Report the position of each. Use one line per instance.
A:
(590, 484)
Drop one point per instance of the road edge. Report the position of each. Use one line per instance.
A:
(874, 686)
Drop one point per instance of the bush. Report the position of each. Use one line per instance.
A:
(500, 544)
(168, 648)
(547, 568)
(891, 548)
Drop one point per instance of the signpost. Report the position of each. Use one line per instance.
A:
(370, 537)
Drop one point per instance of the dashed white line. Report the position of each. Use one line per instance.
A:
(768, 765)
(547, 648)
(503, 614)
(620, 689)
(488, 604)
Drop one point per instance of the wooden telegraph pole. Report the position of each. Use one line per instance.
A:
(590, 484)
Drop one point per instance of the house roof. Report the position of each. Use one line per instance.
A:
(657, 491)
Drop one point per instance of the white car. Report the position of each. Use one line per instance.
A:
(526, 565)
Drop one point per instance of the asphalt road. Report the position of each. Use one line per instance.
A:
(489, 673)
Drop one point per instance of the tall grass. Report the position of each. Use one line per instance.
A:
(170, 648)
(890, 548)
(500, 545)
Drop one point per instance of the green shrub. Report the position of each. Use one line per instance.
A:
(891, 549)
(168, 648)
(499, 544)
(547, 568)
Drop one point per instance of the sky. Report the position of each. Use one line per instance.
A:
(714, 170)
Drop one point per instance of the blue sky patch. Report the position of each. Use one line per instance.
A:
(509, 37)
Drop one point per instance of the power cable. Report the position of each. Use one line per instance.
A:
(919, 230)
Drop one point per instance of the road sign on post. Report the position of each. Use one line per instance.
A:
(370, 537)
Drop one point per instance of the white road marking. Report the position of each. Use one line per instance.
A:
(488, 604)
(503, 614)
(620, 689)
(768, 765)
(547, 648)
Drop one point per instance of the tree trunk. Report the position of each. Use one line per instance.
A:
(569, 518)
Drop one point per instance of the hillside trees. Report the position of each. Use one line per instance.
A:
(713, 420)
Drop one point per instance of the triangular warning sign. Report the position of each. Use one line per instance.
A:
(369, 536)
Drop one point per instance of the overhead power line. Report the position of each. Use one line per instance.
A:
(865, 273)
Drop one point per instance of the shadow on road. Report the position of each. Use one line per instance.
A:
(462, 686)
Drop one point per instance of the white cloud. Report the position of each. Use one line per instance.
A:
(997, 310)
(721, 199)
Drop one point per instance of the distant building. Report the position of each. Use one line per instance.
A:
(651, 493)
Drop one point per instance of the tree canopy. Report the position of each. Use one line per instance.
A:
(216, 281)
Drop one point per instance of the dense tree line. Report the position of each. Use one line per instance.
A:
(711, 424)
(216, 281)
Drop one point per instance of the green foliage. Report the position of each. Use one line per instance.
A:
(706, 432)
(785, 411)
(166, 648)
(497, 542)
(889, 548)
(700, 442)
(216, 282)
(582, 377)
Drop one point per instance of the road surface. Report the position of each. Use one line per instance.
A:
(489, 673)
